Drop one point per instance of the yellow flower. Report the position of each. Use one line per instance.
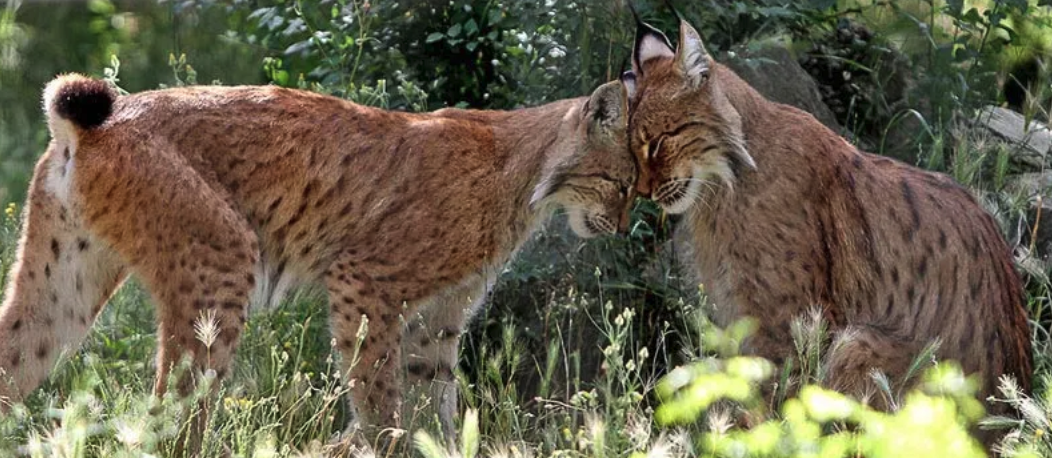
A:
(11, 210)
(241, 403)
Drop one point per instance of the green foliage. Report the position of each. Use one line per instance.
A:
(933, 421)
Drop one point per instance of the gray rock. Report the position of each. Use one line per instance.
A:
(774, 72)
(1029, 144)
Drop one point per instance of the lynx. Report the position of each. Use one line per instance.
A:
(218, 197)
(781, 215)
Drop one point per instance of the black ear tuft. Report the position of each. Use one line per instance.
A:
(628, 79)
(672, 7)
(85, 102)
(650, 43)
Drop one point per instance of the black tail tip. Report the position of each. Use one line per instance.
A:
(84, 102)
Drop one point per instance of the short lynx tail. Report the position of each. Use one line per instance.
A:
(75, 102)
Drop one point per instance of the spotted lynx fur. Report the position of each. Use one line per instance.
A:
(218, 197)
(781, 215)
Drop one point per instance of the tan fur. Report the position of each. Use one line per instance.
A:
(213, 196)
(894, 256)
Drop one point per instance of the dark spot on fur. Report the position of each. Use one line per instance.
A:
(274, 206)
(421, 370)
(907, 194)
(82, 244)
(16, 325)
(55, 248)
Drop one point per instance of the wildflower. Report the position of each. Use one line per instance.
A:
(129, 435)
(11, 210)
(206, 328)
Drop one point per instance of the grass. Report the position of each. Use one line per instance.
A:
(284, 397)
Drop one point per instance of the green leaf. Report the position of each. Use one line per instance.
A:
(454, 31)
(471, 27)
(434, 37)
(281, 77)
(472, 45)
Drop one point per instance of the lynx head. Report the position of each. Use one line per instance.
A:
(593, 175)
(683, 130)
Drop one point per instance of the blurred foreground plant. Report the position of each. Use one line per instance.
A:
(933, 421)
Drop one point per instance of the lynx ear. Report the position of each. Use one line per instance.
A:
(691, 58)
(607, 110)
(650, 44)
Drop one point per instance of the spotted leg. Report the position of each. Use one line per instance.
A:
(367, 326)
(430, 353)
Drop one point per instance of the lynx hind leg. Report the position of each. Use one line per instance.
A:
(62, 278)
(370, 351)
(430, 352)
(194, 253)
(857, 352)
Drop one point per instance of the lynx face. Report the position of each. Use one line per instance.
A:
(596, 190)
(683, 129)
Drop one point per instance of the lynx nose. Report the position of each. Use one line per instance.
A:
(626, 213)
(644, 184)
(622, 225)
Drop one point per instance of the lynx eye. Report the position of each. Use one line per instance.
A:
(657, 146)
